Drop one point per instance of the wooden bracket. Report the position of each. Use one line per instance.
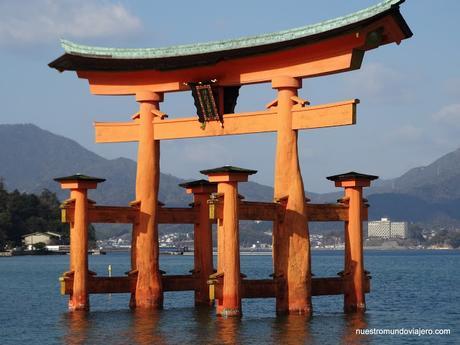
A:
(344, 200)
(67, 202)
(282, 200)
(131, 273)
(299, 102)
(216, 275)
(159, 114)
(272, 104)
(215, 197)
(155, 112)
(135, 203)
(68, 274)
(276, 276)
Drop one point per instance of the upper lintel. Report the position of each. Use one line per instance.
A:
(331, 46)
(81, 57)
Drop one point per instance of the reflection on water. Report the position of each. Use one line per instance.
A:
(227, 330)
(292, 329)
(144, 327)
(110, 322)
(203, 318)
(77, 327)
(202, 326)
(352, 323)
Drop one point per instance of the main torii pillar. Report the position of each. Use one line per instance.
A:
(149, 293)
(291, 247)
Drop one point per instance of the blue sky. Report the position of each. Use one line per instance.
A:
(410, 94)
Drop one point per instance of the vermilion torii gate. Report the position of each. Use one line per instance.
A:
(214, 72)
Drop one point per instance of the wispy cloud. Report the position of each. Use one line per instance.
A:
(449, 115)
(407, 134)
(379, 83)
(44, 21)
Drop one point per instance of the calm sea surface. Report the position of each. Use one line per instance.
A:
(410, 289)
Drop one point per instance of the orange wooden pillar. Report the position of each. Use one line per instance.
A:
(347, 260)
(220, 247)
(227, 178)
(79, 185)
(291, 242)
(203, 264)
(149, 293)
(354, 277)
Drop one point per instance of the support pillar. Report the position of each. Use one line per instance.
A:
(149, 293)
(227, 178)
(291, 242)
(220, 248)
(347, 258)
(79, 185)
(354, 276)
(203, 264)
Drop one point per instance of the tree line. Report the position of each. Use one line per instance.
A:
(22, 213)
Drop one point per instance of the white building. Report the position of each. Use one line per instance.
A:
(385, 228)
(399, 229)
(48, 238)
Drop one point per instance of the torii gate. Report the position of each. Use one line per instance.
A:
(214, 71)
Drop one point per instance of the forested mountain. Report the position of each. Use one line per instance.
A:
(31, 157)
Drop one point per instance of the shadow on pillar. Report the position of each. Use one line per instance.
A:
(294, 280)
(354, 295)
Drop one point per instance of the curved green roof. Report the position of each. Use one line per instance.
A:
(217, 50)
(243, 42)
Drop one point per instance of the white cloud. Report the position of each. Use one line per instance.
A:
(44, 21)
(449, 115)
(380, 83)
(407, 133)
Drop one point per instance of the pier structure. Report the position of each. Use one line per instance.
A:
(215, 73)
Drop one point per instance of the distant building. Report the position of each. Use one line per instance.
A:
(47, 238)
(385, 228)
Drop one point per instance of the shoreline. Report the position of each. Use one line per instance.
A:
(243, 251)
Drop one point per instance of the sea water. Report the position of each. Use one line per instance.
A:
(409, 290)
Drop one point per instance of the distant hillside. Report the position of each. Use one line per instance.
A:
(407, 207)
(31, 157)
(438, 182)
